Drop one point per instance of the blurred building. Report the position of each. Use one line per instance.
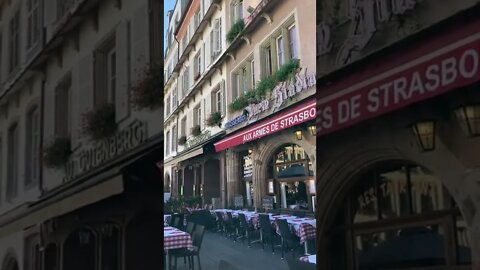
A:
(397, 135)
(79, 142)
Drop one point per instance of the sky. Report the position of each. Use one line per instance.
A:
(168, 5)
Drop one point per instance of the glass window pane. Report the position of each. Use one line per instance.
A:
(393, 192)
(428, 193)
(464, 251)
(291, 170)
(403, 248)
(364, 200)
(296, 195)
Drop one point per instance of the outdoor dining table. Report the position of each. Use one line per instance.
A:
(309, 259)
(174, 238)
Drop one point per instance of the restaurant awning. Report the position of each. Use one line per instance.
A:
(291, 117)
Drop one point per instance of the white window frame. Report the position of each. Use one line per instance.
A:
(198, 115)
(33, 23)
(167, 106)
(174, 98)
(279, 42)
(13, 162)
(167, 142)
(14, 42)
(293, 41)
(32, 156)
(252, 69)
(111, 75)
(219, 100)
(174, 139)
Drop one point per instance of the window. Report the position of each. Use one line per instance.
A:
(32, 147)
(267, 64)
(197, 113)
(63, 6)
(185, 82)
(183, 127)
(252, 70)
(280, 51)
(174, 138)
(105, 73)
(237, 11)
(167, 144)
(32, 253)
(62, 108)
(174, 98)
(217, 105)
(216, 39)
(33, 23)
(196, 20)
(292, 30)
(243, 79)
(14, 42)
(167, 107)
(12, 170)
(197, 65)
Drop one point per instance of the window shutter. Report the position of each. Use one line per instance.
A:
(140, 42)
(122, 68)
(249, 75)
(212, 37)
(222, 97)
(100, 90)
(234, 86)
(273, 51)
(83, 72)
(286, 44)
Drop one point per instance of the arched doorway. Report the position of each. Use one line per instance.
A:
(398, 215)
(80, 250)
(51, 257)
(10, 263)
(290, 174)
(211, 181)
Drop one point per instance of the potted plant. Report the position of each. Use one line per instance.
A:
(215, 119)
(100, 123)
(147, 93)
(287, 70)
(182, 140)
(236, 29)
(196, 130)
(57, 153)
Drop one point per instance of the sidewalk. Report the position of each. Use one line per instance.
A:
(216, 247)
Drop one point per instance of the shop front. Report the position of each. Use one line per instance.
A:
(397, 177)
(270, 163)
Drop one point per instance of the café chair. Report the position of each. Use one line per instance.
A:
(197, 240)
(268, 234)
(289, 239)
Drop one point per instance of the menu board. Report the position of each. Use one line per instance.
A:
(267, 202)
(247, 166)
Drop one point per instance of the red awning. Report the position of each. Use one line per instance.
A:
(289, 118)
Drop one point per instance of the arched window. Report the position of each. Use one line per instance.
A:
(399, 215)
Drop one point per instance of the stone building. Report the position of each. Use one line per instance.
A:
(194, 98)
(270, 138)
(397, 135)
(79, 185)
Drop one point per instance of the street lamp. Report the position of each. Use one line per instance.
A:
(313, 130)
(424, 132)
(299, 134)
(468, 117)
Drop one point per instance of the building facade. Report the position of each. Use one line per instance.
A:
(194, 98)
(397, 176)
(223, 55)
(78, 141)
(270, 141)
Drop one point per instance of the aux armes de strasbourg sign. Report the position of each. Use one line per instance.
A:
(103, 151)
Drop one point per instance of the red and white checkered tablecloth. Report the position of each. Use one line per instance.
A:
(174, 238)
(306, 232)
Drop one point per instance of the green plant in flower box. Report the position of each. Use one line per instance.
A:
(196, 130)
(215, 119)
(288, 70)
(236, 29)
(57, 153)
(182, 140)
(148, 91)
(100, 123)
